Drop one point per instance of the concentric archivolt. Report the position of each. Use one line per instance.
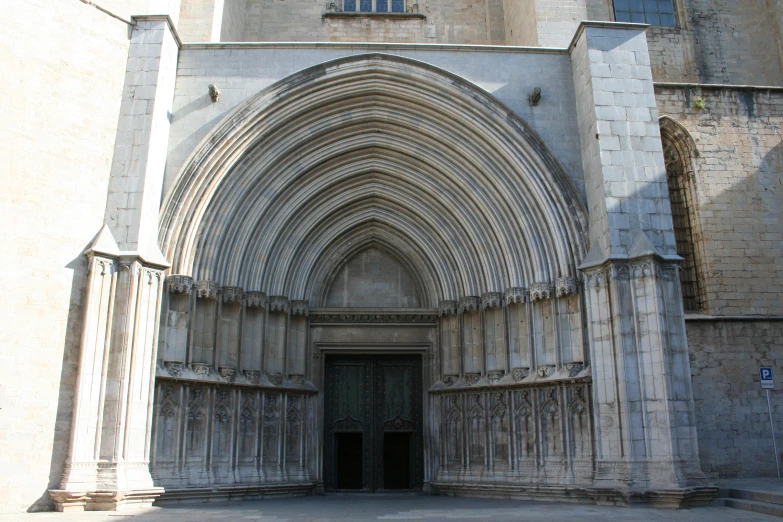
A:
(373, 149)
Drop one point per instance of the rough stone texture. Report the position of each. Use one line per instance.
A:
(233, 25)
(738, 214)
(735, 439)
(556, 19)
(718, 42)
(447, 21)
(242, 72)
(200, 20)
(521, 28)
(60, 120)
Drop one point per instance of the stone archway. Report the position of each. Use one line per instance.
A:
(364, 156)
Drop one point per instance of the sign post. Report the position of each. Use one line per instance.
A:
(768, 383)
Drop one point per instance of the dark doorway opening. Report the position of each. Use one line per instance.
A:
(396, 461)
(349, 460)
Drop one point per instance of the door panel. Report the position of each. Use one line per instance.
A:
(379, 399)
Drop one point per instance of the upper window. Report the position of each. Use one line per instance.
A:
(374, 6)
(653, 12)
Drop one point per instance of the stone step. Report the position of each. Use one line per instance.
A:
(765, 496)
(753, 505)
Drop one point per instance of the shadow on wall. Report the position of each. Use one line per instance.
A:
(740, 214)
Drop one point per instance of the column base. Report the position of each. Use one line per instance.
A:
(104, 500)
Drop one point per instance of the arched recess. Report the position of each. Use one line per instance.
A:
(373, 148)
(680, 151)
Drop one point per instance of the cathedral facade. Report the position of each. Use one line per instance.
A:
(522, 249)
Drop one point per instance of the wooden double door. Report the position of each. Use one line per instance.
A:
(373, 437)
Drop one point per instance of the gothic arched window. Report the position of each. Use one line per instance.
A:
(678, 148)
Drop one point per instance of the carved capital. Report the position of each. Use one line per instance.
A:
(469, 304)
(300, 308)
(491, 300)
(516, 295)
(540, 291)
(297, 379)
(447, 308)
(565, 286)
(472, 378)
(232, 295)
(495, 375)
(520, 373)
(200, 369)
(278, 303)
(256, 300)
(546, 370)
(229, 373)
(252, 376)
(174, 368)
(449, 380)
(573, 369)
(275, 378)
(179, 284)
(206, 289)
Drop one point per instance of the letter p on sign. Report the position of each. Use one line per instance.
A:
(767, 383)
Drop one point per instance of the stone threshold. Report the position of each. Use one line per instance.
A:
(234, 492)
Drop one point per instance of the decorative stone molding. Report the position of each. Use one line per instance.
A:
(297, 378)
(174, 367)
(206, 289)
(232, 295)
(565, 286)
(252, 376)
(540, 291)
(491, 300)
(546, 370)
(256, 300)
(229, 373)
(449, 380)
(469, 304)
(495, 375)
(278, 303)
(300, 308)
(200, 369)
(275, 378)
(472, 378)
(373, 318)
(520, 373)
(447, 308)
(179, 284)
(516, 295)
(573, 369)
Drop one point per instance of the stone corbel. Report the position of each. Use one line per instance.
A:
(256, 300)
(565, 286)
(179, 284)
(278, 303)
(447, 308)
(206, 290)
(516, 295)
(469, 304)
(491, 300)
(232, 295)
(300, 308)
(541, 291)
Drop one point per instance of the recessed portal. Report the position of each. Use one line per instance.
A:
(349, 460)
(396, 461)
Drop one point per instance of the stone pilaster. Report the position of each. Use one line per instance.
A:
(108, 463)
(646, 443)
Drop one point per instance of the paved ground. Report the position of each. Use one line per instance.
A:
(342, 508)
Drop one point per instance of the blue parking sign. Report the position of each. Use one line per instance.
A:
(767, 383)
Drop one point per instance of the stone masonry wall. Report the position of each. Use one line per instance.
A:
(739, 214)
(520, 22)
(558, 19)
(233, 21)
(731, 409)
(447, 21)
(720, 42)
(60, 116)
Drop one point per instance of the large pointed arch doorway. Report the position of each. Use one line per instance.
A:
(379, 218)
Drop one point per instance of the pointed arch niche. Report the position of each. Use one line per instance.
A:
(408, 208)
